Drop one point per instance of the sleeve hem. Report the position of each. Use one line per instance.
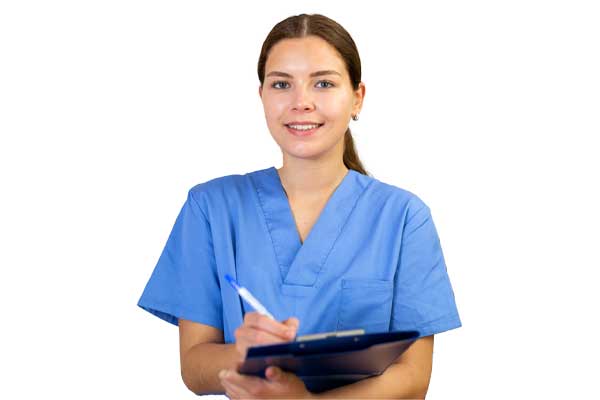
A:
(171, 314)
(439, 326)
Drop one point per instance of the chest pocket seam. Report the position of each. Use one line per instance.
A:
(365, 304)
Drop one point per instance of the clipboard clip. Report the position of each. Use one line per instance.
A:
(325, 335)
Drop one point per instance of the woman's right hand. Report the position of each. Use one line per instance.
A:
(259, 329)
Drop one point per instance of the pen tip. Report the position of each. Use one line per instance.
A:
(231, 281)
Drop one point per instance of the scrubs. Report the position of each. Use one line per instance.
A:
(372, 260)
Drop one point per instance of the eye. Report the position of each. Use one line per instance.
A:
(274, 85)
(277, 84)
(327, 82)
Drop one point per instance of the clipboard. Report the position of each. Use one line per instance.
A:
(336, 360)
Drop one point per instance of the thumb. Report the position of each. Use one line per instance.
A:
(292, 322)
(275, 374)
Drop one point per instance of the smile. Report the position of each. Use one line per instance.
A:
(303, 130)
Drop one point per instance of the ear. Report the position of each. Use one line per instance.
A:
(359, 96)
(260, 91)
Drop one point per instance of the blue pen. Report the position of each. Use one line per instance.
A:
(246, 295)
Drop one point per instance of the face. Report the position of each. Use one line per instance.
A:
(296, 92)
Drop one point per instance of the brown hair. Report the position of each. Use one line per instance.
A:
(299, 26)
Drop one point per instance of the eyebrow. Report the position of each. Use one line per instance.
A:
(318, 73)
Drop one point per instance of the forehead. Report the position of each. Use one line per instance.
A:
(304, 55)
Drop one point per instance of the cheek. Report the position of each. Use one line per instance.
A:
(274, 111)
(336, 107)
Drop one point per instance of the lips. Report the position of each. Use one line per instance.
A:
(299, 132)
(303, 123)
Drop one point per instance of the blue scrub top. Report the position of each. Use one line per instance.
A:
(372, 260)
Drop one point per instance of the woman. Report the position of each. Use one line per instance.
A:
(323, 246)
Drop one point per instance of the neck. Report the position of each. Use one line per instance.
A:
(310, 178)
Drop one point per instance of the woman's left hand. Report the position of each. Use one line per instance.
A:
(279, 384)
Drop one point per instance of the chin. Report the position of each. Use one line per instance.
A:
(304, 152)
(309, 150)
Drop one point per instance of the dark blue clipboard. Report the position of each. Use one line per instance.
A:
(324, 364)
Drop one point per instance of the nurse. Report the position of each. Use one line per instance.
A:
(320, 243)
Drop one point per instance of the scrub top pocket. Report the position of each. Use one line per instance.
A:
(365, 304)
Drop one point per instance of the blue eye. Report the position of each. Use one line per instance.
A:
(327, 82)
(276, 83)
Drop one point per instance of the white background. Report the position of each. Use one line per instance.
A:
(110, 111)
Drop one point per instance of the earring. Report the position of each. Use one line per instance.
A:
(355, 117)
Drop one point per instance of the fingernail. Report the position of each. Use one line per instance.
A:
(223, 373)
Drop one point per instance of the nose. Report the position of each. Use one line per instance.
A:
(302, 100)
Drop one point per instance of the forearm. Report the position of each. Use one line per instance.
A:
(201, 365)
(399, 381)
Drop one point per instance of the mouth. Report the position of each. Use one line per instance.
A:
(303, 129)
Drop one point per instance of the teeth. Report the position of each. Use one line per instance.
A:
(303, 127)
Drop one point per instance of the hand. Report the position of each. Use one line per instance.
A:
(258, 329)
(279, 384)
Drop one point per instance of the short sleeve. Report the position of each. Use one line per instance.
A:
(423, 297)
(184, 283)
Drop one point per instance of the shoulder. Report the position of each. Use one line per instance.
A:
(389, 195)
(216, 185)
(221, 190)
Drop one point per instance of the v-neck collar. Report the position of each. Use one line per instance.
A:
(300, 264)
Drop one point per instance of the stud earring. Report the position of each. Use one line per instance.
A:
(355, 117)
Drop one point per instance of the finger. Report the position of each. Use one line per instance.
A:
(240, 380)
(292, 322)
(245, 385)
(274, 374)
(264, 323)
(231, 387)
(253, 335)
(233, 392)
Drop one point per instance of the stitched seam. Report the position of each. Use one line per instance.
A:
(260, 195)
(322, 263)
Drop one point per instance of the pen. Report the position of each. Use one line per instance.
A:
(246, 295)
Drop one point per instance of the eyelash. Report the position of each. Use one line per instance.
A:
(329, 83)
